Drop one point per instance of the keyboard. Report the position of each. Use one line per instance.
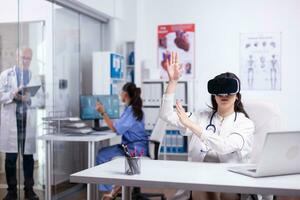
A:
(76, 125)
(82, 131)
(102, 128)
(85, 130)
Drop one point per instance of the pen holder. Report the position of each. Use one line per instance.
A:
(132, 165)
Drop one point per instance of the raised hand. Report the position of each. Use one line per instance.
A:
(174, 69)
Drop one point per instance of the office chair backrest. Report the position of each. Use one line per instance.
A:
(266, 118)
(157, 135)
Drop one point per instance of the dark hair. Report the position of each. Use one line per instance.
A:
(135, 99)
(238, 105)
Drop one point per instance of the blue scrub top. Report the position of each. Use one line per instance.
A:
(132, 129)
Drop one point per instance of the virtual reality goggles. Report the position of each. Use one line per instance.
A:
(223, 86)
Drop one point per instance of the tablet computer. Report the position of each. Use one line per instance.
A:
(32, 90)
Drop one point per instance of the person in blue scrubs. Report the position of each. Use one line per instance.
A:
(130, 125)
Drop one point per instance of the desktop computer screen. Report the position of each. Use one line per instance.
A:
(88, 107)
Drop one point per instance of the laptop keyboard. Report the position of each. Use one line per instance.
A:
(103, 128)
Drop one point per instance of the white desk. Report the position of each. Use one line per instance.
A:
(187, 175)
(91, 139)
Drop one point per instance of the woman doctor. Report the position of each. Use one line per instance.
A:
(132, 128)
(223, 134)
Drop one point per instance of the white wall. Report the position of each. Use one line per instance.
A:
(122, 20)
(218, 25)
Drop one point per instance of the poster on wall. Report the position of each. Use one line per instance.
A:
(178, 38)
(260, 61)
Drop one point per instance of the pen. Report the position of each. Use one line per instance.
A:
(125, 149)
(141, 152)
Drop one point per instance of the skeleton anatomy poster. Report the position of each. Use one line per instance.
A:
(260, 63)
(178, 38)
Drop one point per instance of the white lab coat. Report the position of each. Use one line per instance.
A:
(8, 125)
(232, 141)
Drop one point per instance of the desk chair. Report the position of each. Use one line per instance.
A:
(155, 142)
(266, 118)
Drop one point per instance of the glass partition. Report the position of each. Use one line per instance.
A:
(22, 58)
(9, 40)
(45, 65)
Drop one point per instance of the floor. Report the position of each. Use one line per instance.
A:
(81, 195)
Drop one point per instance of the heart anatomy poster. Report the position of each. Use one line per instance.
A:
(178, 38)
(260, 61)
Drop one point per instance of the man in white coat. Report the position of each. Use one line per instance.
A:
(17, 131)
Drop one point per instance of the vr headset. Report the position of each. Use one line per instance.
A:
(223, 86)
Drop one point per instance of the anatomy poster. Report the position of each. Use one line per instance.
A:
(260, 61)
(178, 38)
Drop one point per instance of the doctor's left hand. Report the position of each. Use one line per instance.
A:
(183, 118)
(23, 98)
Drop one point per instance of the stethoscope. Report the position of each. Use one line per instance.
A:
(10, 74)
(211, 126)
(8, 83)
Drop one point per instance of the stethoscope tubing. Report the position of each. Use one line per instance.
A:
(212, 125)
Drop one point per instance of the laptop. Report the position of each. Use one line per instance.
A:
(280, 156)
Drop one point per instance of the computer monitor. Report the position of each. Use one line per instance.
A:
(88, 108)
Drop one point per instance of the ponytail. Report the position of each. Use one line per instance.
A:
(135, 100)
